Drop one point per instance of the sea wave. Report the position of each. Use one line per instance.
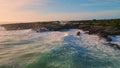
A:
(55, 49)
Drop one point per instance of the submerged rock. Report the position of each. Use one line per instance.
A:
(113, 45)
(78, 33)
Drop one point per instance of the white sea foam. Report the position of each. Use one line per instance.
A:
(14, 44)
(2, 28)
(115, 39)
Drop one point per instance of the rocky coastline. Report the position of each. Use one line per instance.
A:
(104, 34)
(102, 28)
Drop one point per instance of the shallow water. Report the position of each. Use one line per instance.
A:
(27, 49)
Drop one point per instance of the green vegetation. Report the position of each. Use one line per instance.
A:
(112, 23)
(107, 25)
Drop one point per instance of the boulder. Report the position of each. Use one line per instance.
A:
(78, 33)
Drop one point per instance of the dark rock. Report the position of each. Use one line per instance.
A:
(113, 45)
(97, 30)
(113, 32)
(78, 33)
(84, 28)
(40, 29)
(105, 36)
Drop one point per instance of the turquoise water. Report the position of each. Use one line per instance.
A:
(27, 49)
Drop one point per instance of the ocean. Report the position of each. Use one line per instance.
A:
(56, 49)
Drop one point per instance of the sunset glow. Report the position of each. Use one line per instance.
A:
(47, 10)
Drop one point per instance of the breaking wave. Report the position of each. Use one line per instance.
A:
(28, 49)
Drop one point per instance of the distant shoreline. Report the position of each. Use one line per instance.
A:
(101, 27)
(106, 26)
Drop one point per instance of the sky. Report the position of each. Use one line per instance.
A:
(57, 10)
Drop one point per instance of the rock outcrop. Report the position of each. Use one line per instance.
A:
(116, 46)
(103, 28)
(78, 33)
